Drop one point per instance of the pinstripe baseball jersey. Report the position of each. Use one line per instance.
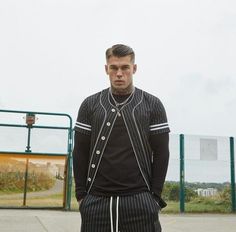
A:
(143, 115)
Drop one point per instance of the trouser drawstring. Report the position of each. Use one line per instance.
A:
(111, 218)
(117, 214)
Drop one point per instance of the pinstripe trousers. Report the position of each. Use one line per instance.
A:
(134, 213)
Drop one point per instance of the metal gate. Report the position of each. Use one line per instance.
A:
(35, 159)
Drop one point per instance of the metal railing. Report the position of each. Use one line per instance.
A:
(187, 159)
(30, 119)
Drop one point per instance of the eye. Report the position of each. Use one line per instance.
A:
(125, 67)
(113, 68)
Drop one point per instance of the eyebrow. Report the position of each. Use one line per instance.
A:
(122, 66)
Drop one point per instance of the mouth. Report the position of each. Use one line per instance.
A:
(119, 82)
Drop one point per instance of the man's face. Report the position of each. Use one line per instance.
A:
(120, 71)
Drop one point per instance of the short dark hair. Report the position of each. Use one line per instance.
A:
(120, 50)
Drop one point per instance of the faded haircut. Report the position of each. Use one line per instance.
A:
(120, 50)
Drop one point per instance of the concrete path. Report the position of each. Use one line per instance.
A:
(198, 223)
(59, 221)
(57, 188)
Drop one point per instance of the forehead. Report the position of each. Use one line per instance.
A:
(114, 60)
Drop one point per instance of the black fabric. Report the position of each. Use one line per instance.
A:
(144, 115)
(159, 144)
(118, 173)
(135, 213)
(147, 127)
(80, 163)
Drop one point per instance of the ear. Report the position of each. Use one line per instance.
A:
(106, 68)
(135, 68)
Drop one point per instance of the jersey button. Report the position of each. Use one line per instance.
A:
(98, 152)
(103, 138)
(89, 179)
(108, 123)
(113, 110)
(93, 165)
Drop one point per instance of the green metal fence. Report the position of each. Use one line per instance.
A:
(31, 152)
(200, 178)
(201, 174)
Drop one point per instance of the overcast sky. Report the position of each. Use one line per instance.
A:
(52, 56)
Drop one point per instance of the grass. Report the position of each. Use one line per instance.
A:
(201, 205)
(192, 207)
(207, 208)
(47, 201)
(56, 200)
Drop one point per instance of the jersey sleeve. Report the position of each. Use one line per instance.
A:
(158, 122)
(83, 122)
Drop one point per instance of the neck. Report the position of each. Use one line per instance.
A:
(125, 91)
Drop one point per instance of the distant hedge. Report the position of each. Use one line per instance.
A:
(12, 176)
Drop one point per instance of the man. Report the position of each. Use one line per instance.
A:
(121, 153)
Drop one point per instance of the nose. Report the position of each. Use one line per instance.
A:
(119, 73)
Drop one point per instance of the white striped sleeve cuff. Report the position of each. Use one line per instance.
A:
(83, 126)
(157, 127)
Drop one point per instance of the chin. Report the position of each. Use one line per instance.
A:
(120, 87)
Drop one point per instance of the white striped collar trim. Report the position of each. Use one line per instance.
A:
(83, 124)
(159, 125)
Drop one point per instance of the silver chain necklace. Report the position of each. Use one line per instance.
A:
(121, 103)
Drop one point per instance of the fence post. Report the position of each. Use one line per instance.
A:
(26, 181)
(28, 116)
(69, 167)
(182, 177)
(232, 170)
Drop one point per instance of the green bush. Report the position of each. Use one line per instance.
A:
(13, 179)
(171, 192)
